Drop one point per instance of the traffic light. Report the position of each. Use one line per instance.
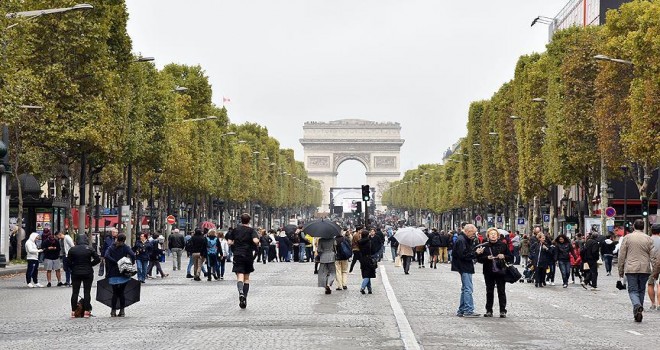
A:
(645, 207)
(358, 207)
(366, 193)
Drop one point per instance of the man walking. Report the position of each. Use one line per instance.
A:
(654, 294)
(590, 254)
(445, 242)
(462, 262)
(176, 243)
(635, 262)
(243, 239)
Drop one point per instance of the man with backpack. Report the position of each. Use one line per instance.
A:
(344, 252)
(434, 243)
(213, 249)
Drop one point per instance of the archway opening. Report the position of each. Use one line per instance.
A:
(351, 173)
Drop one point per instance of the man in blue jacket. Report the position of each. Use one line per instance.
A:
(462, 262)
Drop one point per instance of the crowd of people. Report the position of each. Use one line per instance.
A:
(208, 250)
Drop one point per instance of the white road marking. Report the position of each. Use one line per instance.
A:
(587, 316)
(557, 306)
(634, 333)
(406, 332)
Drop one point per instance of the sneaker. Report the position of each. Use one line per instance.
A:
(471, 315)
(594, 289)
(59, 284)
(189, 276)
(38, 285)
(369, 292)
(242, 302)
(48, 285)
(459, 315)
(572, 282)
(328, 290)
(583, 285)
(638, 313)
(30, 285)
(552, 283)
(338, 288)
(345, 287)
(565, 285)
(503, 314)
(653, 307)
(362, 291)
(488, 314)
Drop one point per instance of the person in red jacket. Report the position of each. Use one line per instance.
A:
(576, 262)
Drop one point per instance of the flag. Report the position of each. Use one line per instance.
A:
(225, 100)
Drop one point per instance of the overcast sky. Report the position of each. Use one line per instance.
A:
(416, 62)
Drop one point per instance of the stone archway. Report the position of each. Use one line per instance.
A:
(374, 144)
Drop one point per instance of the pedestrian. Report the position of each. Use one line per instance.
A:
(82, 258)
(66, 243)
(607, 251)
(341, 263)
(284, 246)
(51, 249)
(326, 251)
(576, 262)
(369, 248)
(420, 251)
(590, 253)
(264, 244)
(309, 256)
(13, 243)
(107, 242)
(654, 294)
(562, 256)
(515, 243)
(542, 256)
(552, 266)
(524, 250)
(394, 246)
(116, 279)
(142, 250)
(273, 253)
(463, 255)
(355, 247)
(635, 262)
(434, 243)
(32, 257)
(156, 255)
(494, 256)
(225, 254)
(198, 252)
(176, 243)
(213, 250)
(406, 254)
(445, 242)
(243, 239)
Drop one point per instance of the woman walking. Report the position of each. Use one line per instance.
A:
(576, 262)
(155, 256)
(406, 254)
(326, 255)
(32, 257)
(225, 253)
(542, 255)
(343, 246)
(355, 246)
(369, 247)
(82, 258)
(562, 252)
(213, 249)
(524, 250)
(116, 279)
(142, 249)
(493, 257)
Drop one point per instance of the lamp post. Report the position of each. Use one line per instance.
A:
(97, 213)
(155, 181)
(120, 199)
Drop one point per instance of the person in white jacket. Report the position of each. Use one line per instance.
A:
(225, 254)
(33, 261)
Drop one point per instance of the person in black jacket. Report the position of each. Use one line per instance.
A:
(434, 242)
(462, 262)
(445, 244)
(142, 249)
(82, 258)
(493, 257)
(562, 256)
(590, 254)
(370, 246)
(542, 255)
(198, 251)
(116, 252)
(264, 244)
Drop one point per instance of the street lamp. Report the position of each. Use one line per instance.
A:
(538, 99)
(120, 199)
(180, 89)
(211, 117)
(97, 187)
(515, 117)
(611, 59)
(625, 197)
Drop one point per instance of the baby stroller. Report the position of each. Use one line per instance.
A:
(528, 274)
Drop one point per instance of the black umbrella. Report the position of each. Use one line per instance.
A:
(322, 229)
(290, 229)
(131, 292)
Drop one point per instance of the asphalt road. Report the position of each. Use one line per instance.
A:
(287, 311)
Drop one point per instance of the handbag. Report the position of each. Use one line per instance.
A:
(585, 266)
(494, 266)
(126, 267)
(511, 275)
(397, 261)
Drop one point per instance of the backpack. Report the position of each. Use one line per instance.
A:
(345, 251)
(212, 246)
(436, 241)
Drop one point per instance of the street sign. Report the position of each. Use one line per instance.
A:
(499, 219)
(478, 218)
(610, 212)
(546, 217)
(171, 219)
(521, 221)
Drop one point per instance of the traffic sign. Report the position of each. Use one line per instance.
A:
(499, 219)
(610, 212)
(171, 220)
(521, 221)
(546, 217)
(478, 218)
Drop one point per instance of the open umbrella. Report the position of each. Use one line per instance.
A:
(290, 229)
(411, 236)
(322, 229)
(207, 224)
(104, 292)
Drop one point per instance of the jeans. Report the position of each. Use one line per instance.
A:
(516, 255)
(637, 288)
(67, 269)
(607, 258)
(264, 253)
(393, 249)
(221, 262)
(32, 271)
(301, 253)
(449, 255)
(87, 288)
(466, 305)
(565, 269)
(212, 265)
(176, 259)
(491, 282)
(142, 266)
(366, 283)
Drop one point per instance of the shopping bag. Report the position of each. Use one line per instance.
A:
(397, 261)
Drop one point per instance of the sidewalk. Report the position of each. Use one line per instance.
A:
(12, 269)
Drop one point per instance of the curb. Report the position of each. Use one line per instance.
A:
(13, 270)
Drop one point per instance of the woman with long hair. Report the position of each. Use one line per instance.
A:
(116, 279)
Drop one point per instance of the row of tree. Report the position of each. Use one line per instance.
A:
(566, 118)
(103, 108)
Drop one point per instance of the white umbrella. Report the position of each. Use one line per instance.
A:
(411, 236)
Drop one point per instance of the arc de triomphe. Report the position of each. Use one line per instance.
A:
(374, 144)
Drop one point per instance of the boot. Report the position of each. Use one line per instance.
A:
(121, 313)
(113, 313)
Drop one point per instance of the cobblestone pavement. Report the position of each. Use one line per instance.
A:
(287, 311)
